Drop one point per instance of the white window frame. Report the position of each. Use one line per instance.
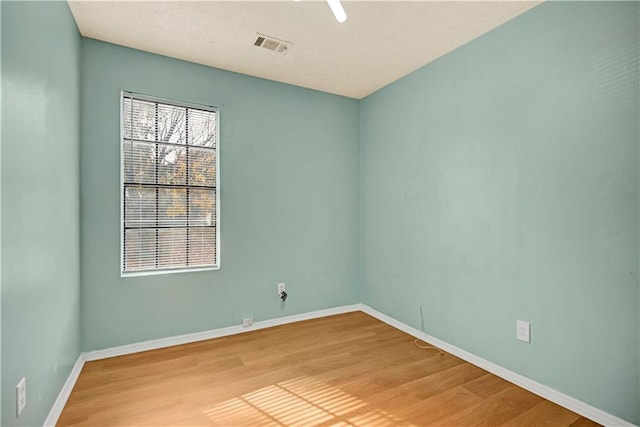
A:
(185, 104)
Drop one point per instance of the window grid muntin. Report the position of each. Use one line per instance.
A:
(208, 144)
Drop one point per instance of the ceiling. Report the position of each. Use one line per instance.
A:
(380, 42)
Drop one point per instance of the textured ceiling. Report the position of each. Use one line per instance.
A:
(380, 42)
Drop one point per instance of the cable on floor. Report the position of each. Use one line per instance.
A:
(428, 347)
(417, 340)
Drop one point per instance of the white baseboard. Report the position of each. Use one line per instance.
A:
(64, 394)
(548, 393)
(213, 333)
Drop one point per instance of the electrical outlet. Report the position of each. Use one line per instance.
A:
(247, 321)
(523, 331)
(21, 396)
(280, 288)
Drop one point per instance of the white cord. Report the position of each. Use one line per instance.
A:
(427, 347)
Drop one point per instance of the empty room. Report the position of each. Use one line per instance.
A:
(320, 213)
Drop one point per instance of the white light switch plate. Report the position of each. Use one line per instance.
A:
(523, 331)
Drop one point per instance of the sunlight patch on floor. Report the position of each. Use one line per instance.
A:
(302, 401)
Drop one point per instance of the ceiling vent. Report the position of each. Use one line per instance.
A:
(273, 44)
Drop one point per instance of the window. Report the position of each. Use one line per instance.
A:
(169, 187)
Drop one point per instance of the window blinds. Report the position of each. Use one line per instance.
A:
(169, 177)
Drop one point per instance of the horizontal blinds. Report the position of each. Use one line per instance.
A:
(169, 182)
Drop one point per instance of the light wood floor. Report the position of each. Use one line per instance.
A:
(346, 370)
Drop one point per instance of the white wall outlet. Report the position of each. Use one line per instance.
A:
(523, 331)
(21, 396)
(247, 321)
(280, 288)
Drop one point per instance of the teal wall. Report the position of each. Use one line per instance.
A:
(40, 207)
(289, 201)
(499, 183)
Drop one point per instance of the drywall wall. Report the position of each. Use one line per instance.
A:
(289, 201)
(40, 206)
(501, 183)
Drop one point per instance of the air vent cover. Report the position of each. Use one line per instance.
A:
(273, 44)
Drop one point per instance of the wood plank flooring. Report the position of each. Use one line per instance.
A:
(345, 370)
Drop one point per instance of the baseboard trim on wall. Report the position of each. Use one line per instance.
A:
(548, 393)
(63, 396)
(213, 333)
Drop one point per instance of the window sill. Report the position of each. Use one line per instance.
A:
(163, 272)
